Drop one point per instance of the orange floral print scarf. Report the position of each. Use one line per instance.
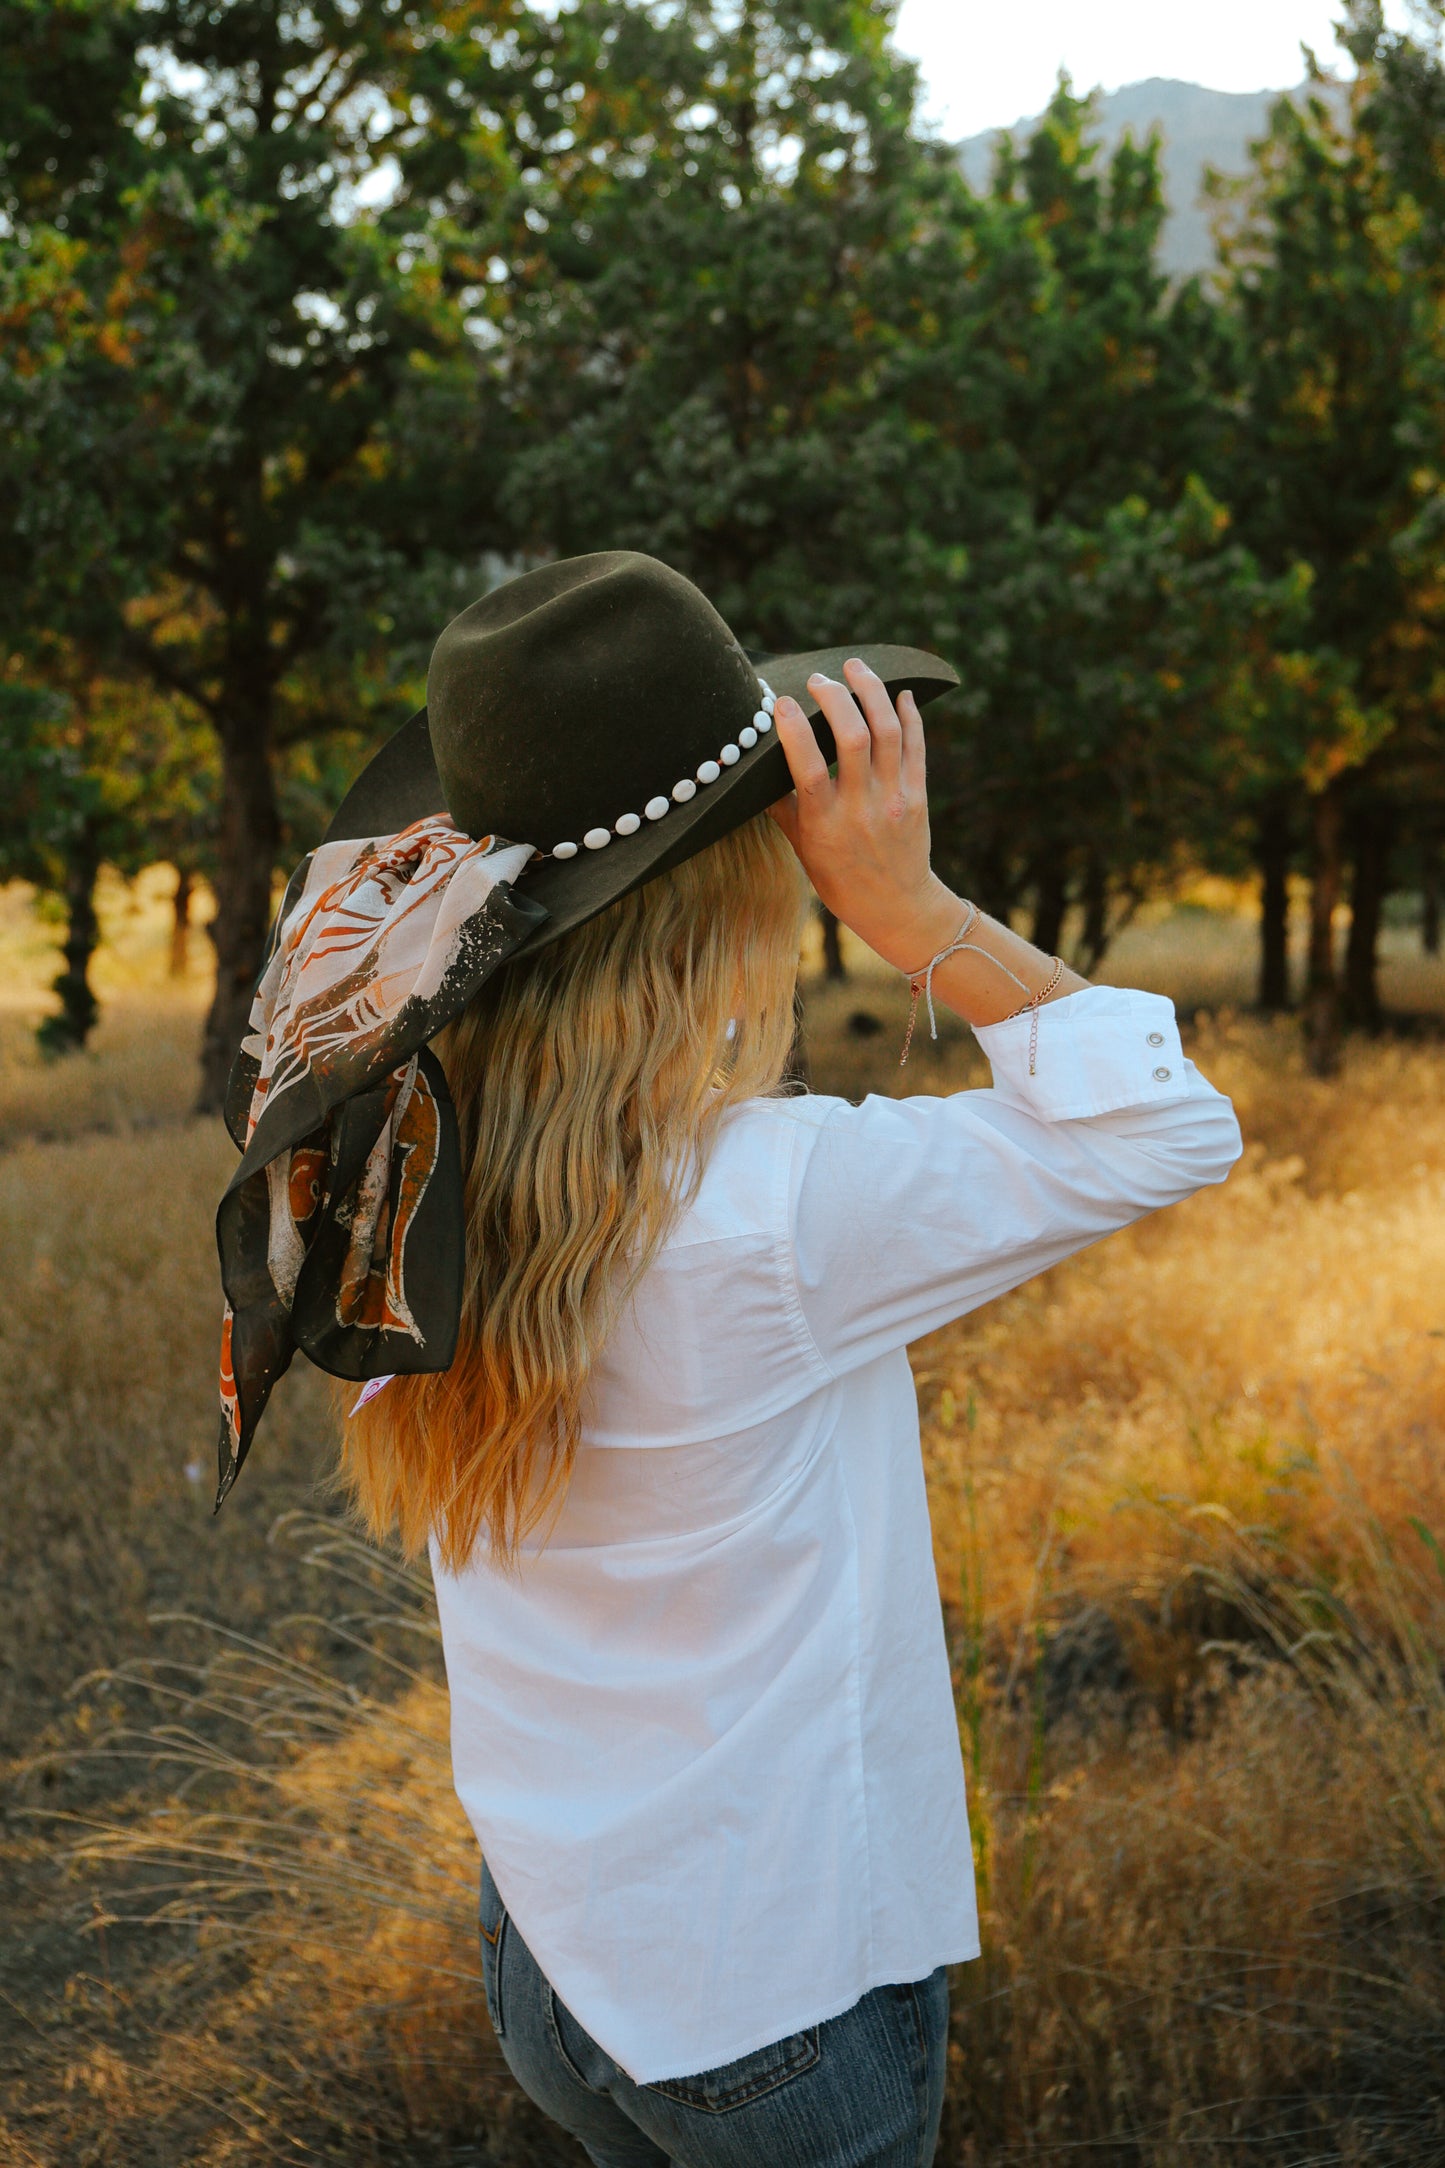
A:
(341, 1232)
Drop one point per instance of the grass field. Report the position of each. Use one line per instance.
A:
(1188, 1502)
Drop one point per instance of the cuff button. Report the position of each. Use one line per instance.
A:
(1156, 1038)
(1162, 1076)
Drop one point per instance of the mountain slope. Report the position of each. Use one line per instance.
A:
(1200, 128)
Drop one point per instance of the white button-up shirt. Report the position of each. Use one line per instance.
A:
(706, 1734)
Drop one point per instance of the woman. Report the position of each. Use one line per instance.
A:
(701, 1709)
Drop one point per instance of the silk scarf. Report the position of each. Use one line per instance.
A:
(341, 1232)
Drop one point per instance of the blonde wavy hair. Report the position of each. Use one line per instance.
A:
(589, 1082)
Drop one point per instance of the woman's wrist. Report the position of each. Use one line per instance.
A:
(921, 928)
(999, 974)
(989, 981)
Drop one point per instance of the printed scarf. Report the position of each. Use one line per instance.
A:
(341, 1232)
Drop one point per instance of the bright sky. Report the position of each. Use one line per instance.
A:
(987, 65)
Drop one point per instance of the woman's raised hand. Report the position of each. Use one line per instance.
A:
(863, 836)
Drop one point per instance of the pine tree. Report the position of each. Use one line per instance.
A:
(1329, 465)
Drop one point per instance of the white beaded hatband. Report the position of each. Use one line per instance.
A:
(627, 824)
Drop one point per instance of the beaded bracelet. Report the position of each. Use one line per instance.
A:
(920, 982)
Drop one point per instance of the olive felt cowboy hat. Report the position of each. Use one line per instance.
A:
(600, 709)
(587, 726)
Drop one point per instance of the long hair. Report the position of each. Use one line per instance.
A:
(589, 1082)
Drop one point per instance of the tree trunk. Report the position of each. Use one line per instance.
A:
(833, 964)
(1322, 995)
(181, 924)
(1096, 916)
(67, 1031)
(799, 1068)
(1051, 898)
(993, 888)
(1430, 896)
(1274, 842)
(249, 837)
(1369, 886)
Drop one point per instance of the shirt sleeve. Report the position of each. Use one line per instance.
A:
(907, 1213)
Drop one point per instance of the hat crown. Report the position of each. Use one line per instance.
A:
(576, 693)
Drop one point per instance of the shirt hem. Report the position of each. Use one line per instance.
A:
(896, 1976)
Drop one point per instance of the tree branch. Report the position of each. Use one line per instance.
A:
(144, 654)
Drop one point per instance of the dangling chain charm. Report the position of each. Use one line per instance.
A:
(921, 982)
(1035, 1002)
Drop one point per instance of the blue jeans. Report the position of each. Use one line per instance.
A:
(864, 2090)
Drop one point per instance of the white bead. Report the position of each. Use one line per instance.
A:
(769, 704)
(729, 756)
(655, 808)
(564, 850)
(709, 772)
(767, 688)
(627, 824)
(748, 738)
(762, 720)
(595, 838)
(684, 790)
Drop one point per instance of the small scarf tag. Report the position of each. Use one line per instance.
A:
(369, 1391)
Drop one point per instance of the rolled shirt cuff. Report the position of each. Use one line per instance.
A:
(1099, 1051)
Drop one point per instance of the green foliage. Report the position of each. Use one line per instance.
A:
(1110, 627)
(1332, 458)
(1116, 703)
(245, 402)
(311, 317)
(716, 302)
(1100, 376)
(94, 772)
(1337, 350)
(69, 92)
(99, 759)
(45, 794)
(753, 323)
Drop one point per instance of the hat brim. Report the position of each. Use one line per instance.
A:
(400, 785)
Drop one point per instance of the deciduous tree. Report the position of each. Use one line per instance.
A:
(244, 448)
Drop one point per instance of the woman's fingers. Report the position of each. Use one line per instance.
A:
(883, 725)
(879, 753)
(806, 764)
(850, 732)
(912, 767)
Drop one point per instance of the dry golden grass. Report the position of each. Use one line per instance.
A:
(1275, 1347)
(1185, 1494)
